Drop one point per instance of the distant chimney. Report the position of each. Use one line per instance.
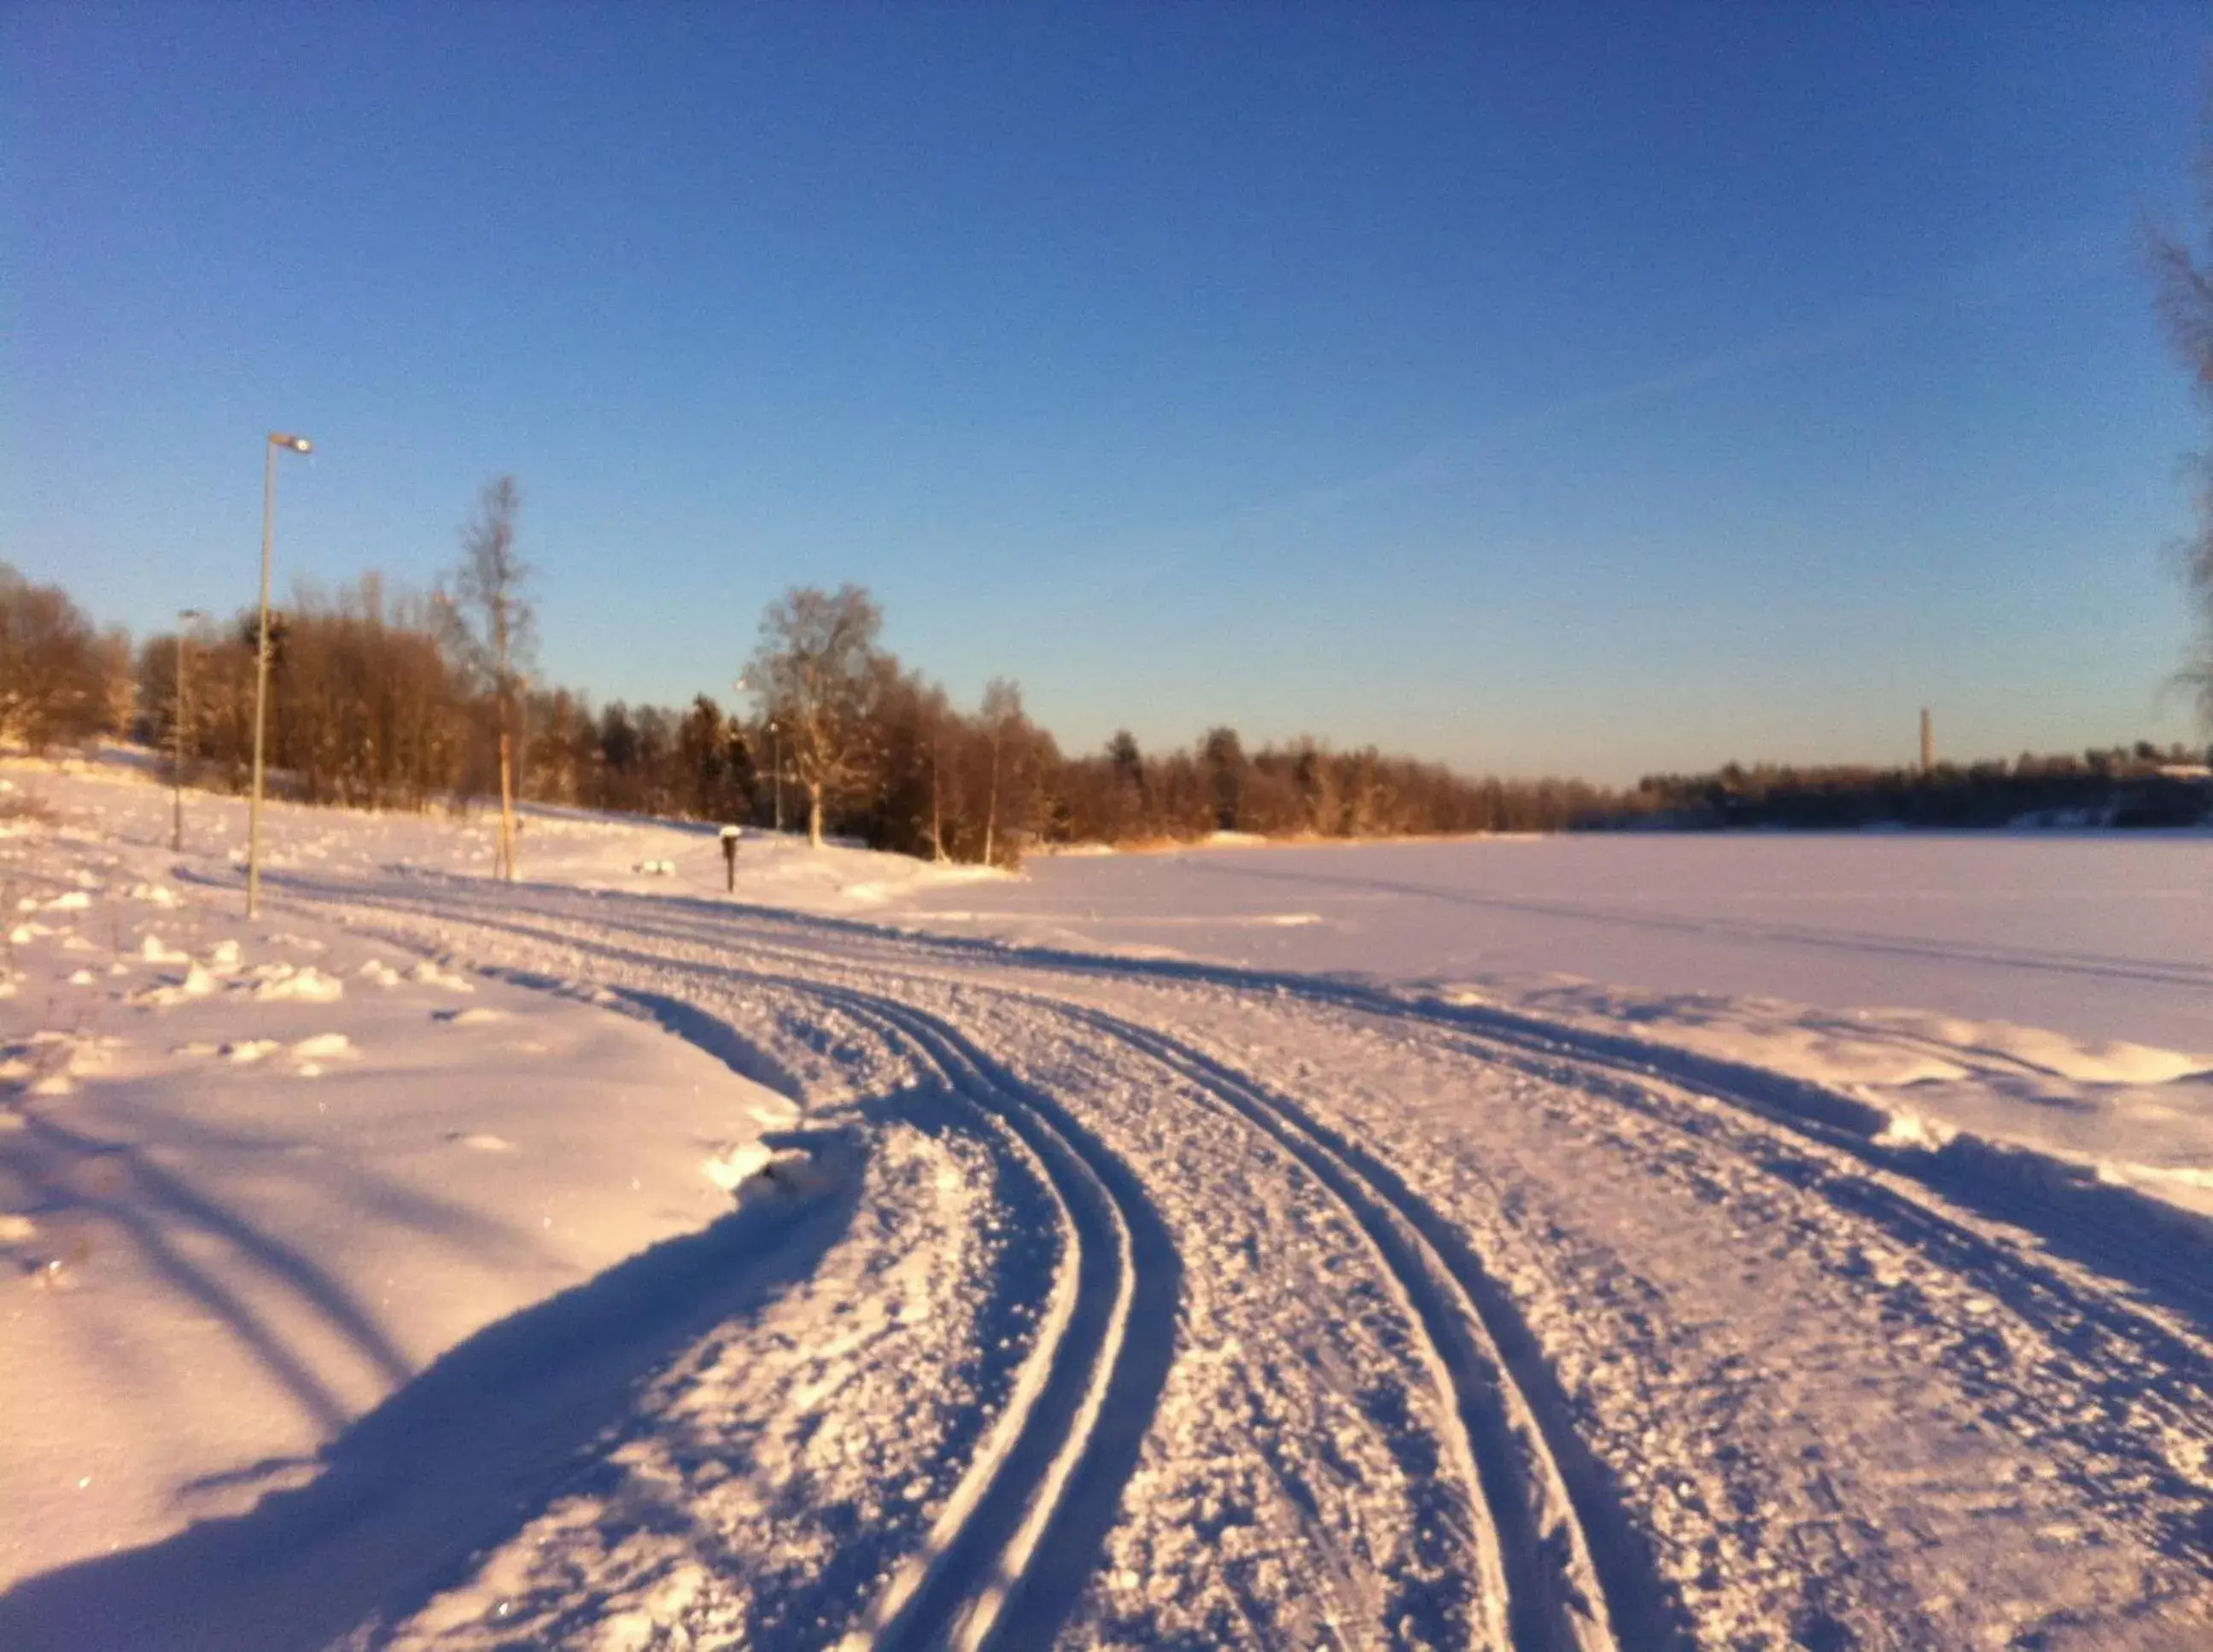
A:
(1927, 742)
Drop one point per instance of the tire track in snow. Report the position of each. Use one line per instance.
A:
(1015, 1544)
(1565, 1570)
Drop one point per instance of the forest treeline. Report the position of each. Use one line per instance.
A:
(2143, 785)
(386, 699)
(378, 700)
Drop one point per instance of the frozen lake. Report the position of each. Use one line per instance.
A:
(2100, 936)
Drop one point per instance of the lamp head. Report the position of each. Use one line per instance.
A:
(296, 443)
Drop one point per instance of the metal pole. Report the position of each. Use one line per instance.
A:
(775, 763)
(261, 684)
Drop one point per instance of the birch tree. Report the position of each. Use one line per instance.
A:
(816, 667)
(2184, 274)
(498, 629)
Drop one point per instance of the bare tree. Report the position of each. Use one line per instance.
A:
(54, 681)
(1002, 713)
(2186, 306)
(498, 628)
(816, 664)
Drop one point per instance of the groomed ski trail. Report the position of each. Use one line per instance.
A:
(1008, 1554)
(1569, 1550)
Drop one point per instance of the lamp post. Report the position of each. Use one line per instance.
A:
(185, 616)
(295, 444)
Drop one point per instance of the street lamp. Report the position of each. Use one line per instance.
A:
(185, 616)
(296, 444)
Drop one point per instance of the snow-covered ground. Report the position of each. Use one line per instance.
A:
(1600, 1243)
(2050, 991)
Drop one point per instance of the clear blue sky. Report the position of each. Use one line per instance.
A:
(1615, 389)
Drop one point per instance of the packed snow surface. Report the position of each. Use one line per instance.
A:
(1600, 1243)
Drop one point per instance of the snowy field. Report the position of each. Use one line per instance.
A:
(1591, 1243)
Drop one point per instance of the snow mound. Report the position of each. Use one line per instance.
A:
(753, 1170)
(427, 973)
(274, 982)
(195, 982)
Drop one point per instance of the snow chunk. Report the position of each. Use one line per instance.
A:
(197, 984)
(476, 1017)
(1908, 1129)
(305, 986)
(155, 950)
(753, 1170)
(733, 1167)
(427, 973)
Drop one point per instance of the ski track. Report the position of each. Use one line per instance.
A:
(1539, 1587)
(1566, 1565)
(1011, 1550)
(1006, 1563)
(1538, 1557)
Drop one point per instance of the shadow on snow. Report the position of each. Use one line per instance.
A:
(454, 1460)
